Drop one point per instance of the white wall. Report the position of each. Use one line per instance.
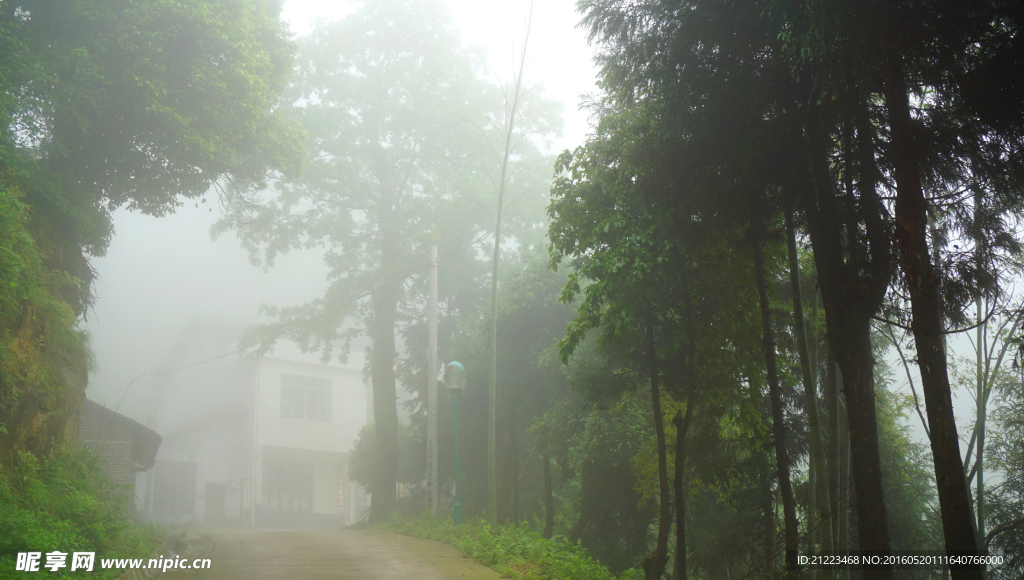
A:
(325, 445)
(348, 408)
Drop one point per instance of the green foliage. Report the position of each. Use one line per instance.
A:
(43, 352)
(607, 453)
(1005, 499)
(400, 127)
(411, 462)
(66, 503)
(641, 257)
(514, 551)
(138, 103)
(394, 111)
(530, 378)
(715, 112)
(109, 103)
(910, 498)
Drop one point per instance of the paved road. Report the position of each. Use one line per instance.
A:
(335, 554)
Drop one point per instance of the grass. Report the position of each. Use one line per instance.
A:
(514, 551)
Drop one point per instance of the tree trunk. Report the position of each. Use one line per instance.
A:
(858, 384)
(492, 380)
(382, 356)
(505, 471)
(514, 452)
(654, 563)
(778, 420)
(580, 526)
(832, 403)
(844, 477)
(549, 497)
(981, 350)
(823, 528)
(767, 501)
(769, 521)
(682, 424)
(853, 283)
(926, 323)
(811, 533)
(385, 413)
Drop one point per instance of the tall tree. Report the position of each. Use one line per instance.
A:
(620, 300)
(682, 425)
(107, 104)
(819, 504)
(782, 454)
(746, 123)
(901, 52)
(1005, 501)
(647, 279)
(392, 105)
(141, 104)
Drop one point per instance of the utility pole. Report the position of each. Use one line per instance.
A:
(492, 390)
(432, 381)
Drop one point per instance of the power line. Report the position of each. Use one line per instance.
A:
(288, 329)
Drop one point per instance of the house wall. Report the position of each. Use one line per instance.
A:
(222, 453)
(323, 444)
(204, 411)
(112, 442)
(328, 468)
(348, 408)
(225, 416)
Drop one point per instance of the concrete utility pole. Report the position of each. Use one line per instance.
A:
(432, 381)
(492, 390)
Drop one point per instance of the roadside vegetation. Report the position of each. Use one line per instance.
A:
(96, 114)
(518, 552)
(65, 503)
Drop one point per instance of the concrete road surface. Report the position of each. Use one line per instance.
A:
(335, 554)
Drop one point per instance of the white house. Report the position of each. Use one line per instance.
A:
(252, 443)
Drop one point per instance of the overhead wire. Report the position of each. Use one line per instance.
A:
(292, 327)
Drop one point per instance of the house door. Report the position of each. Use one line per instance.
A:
(215, 504)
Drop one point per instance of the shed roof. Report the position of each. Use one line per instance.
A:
(98, 423)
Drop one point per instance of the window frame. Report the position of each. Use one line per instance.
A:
(306, 397)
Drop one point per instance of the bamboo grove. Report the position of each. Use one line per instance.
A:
(725, 127)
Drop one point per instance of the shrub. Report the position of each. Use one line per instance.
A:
(67, 503)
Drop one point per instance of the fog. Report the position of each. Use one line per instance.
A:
(668, 300)
(159, 272)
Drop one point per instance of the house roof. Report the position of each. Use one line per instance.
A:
(98, 423)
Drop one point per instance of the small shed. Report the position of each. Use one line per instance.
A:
(125, 446)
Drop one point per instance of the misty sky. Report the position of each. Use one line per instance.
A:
(158, 272)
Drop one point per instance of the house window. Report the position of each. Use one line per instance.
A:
(287, 486)
(305, 398)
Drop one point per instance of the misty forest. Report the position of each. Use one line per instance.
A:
(766, 306)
